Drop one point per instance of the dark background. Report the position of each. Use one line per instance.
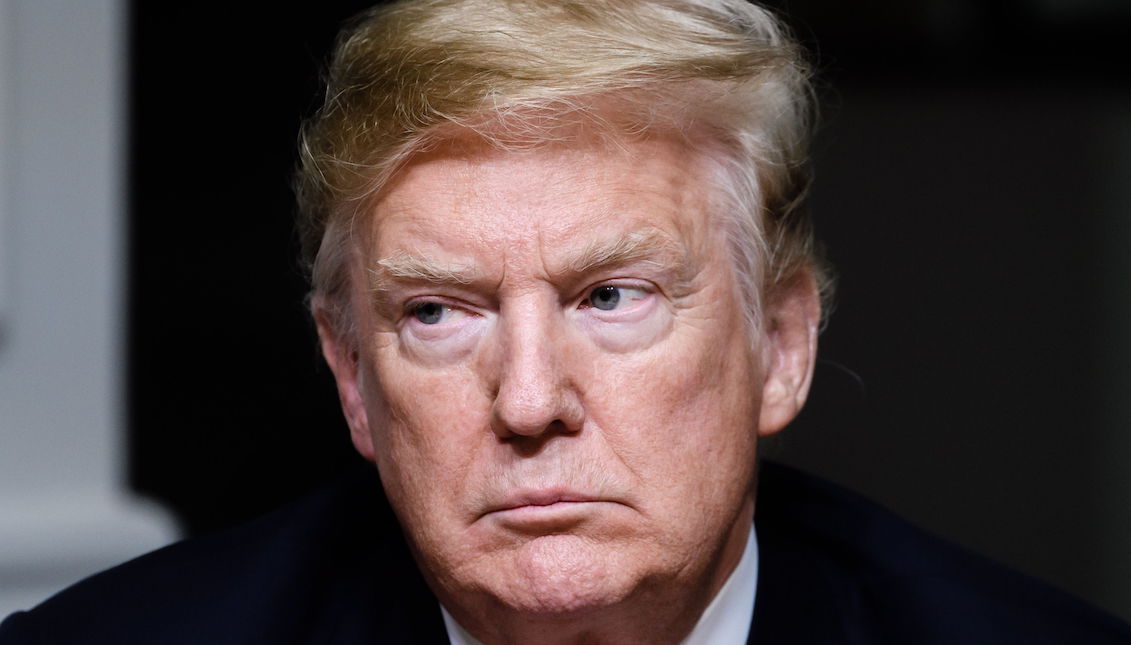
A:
(972, 168)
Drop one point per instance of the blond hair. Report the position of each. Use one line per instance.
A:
(407, 76)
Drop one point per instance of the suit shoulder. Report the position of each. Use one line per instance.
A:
(274, 580)
(893, 582)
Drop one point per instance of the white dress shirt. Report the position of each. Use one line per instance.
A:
(725, 622)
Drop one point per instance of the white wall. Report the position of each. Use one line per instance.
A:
(64, 508)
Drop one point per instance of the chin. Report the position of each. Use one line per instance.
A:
(563, 576)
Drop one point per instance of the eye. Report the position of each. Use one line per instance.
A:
(623, 314)
(435, 330)
(430, 313)
(606, 297)
(609, 297)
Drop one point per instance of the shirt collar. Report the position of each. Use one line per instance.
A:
(728, 618)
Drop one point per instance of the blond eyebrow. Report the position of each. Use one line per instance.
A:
(408, 267)
(652, 247)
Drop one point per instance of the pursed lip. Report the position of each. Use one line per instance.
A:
(535, 499)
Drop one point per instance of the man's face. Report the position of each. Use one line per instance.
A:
(553, 375)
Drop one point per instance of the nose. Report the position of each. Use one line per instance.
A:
(535, 393)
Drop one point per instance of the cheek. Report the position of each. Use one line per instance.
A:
(422, 439)
(684, 419)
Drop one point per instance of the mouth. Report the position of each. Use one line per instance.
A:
(545, 510)
(541, 498)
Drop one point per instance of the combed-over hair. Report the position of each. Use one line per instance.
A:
(407, 76)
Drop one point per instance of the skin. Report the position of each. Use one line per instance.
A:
(565, 470)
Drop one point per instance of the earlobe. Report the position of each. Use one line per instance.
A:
(342, 356)
(793, 313)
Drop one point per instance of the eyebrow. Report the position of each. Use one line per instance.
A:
(651, 247)
(418, 268)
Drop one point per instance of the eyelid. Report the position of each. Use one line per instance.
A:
(408, 310)
(448, 301)
(619, 283)
(630, 309)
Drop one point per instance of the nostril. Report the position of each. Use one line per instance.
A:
(529, 445)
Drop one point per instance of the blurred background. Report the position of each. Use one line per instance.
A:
(973, 189)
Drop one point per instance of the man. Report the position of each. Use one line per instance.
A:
(564, 286)
(548, 306)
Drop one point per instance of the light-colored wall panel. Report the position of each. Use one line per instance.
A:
(64, 508)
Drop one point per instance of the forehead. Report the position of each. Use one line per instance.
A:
(469, 200)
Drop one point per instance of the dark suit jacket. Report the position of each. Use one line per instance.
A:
(834, 568)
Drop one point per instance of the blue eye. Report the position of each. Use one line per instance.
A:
(605, 298)
(429, 313)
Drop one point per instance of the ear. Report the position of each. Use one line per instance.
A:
(342, 356)
(793, 313)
